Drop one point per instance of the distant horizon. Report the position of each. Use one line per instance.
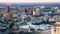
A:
(32, 3)
(26, 1)
(53, 4)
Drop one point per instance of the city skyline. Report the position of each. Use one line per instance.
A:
(31, 4)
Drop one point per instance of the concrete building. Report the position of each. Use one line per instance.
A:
(7, 14)
(33, 12)
(36, 11)
(6, 9)
(30, 11)
(56, 28)
(58, 10)
(58, 18)
(24, 11)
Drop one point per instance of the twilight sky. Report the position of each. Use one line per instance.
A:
(26, 1)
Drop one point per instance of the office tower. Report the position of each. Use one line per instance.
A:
(24, 11)
(30, 11)
(58, 10)
(6, 12)
(37, 11)
(33, 12)
(56, 28)
(6, 9)
(8, 16)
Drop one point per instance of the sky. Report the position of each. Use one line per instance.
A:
(26, 1)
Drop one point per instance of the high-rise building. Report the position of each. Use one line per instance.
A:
(8, 15)
(37, 11)
(6, 9)
(58, 10)
(24, 11)
(56, 28)
(30, 11)
(33, 12)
